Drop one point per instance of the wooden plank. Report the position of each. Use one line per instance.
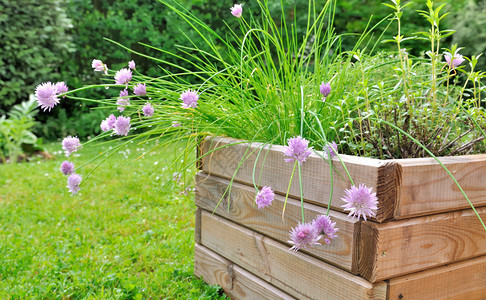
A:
(392, 249)
(427, 188)
(295, 273)
(463, 280)
(382, 175)
(342, 251)
(405, 187)
(235, 281)
(197, 226)
(199, 153)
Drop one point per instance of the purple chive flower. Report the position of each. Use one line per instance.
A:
(123, 76)
(304, 235)
(67, 167)
(122, 103)
(456, 60)
(264, 197)
(109, 123)
(122, 125)
(189, 99)
(73, 183)
(122, 100)
(237, 10)
(325, 226)
(148, 110)
(99, 66)
(46, 94)
(123, 93)
(61, 88)
(70, 144)
(298, 149)
(330, 150)
(325, 89)
(131, 65)
(176, 124)
(140, 89)
(360, 201)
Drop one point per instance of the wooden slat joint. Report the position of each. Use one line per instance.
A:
(231, 275)
(197, 226)
(368, 247)
(263, 252)
(388, 189)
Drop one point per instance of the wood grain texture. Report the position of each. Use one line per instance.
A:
(295, 273)
(213, 268)
(342, 251)
(197, 226)
(235, 281)
(405, 187)
(393, 249)
(426, 188)
(382, 175)
(199, 153)
(459, 281)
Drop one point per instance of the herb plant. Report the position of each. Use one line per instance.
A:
(16, 131)
(264, 82)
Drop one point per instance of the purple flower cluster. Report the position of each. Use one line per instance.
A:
(360, 201)
(123, 76)
(325, 227)
(99, 66)
(264, 197)
(304, 235)
(140, 89)
(62, 88)
(122, 101)
(297, 149)
(67, 167)
(453, 62)
(47, 94)
(73, 183)
(325, 89)
(108, 124)
(70, 144)
(237, 10)
(131, 65)
(148, 110)
(189, 99)
(122, 125)
(330, 150)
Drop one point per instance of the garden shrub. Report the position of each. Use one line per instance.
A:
(34, 42)
(353, 16)
(16, 136)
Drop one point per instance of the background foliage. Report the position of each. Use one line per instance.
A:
(57, 39)
(34, 42)
(470, 26)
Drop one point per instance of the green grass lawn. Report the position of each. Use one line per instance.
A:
(125, 236)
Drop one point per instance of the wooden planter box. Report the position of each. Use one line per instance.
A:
(425, 242)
